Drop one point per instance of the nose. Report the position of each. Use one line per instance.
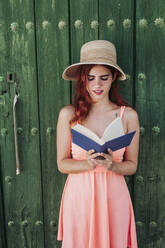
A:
(97, 81)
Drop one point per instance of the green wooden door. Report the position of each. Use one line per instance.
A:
(38, 39)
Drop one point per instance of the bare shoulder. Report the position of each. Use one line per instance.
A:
(130, 114)
(131, 117)
(67, 112)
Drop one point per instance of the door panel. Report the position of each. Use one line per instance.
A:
(149, 186)
(2, 214)
(52, 41)
(22, 193)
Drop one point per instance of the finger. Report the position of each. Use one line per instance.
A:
(102, 162)
(96, 154)
(92, 162)
(105, 163)
(109, 151)
(106, 156)
(90, 151)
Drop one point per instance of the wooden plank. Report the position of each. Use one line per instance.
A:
(84, 25)
(52, 57)
(2, 221)
(2, 89)
(116, 25)
(22, 193)
(149, 189)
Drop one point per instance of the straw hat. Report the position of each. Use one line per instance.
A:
(95, 52)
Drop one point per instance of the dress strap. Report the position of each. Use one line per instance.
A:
(122, 111)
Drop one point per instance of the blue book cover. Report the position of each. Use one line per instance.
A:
(113, 137)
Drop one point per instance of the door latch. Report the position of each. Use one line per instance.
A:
(11, 77)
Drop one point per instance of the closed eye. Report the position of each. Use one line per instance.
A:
(104, 78)
(90, 78)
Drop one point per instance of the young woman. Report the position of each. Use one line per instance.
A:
(96, 209)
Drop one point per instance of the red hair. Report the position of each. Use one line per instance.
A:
(82, 100)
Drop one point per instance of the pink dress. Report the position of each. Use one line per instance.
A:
(96, 210)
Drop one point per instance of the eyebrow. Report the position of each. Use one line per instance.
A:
(100, 75)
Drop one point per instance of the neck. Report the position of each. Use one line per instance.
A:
(100, 105)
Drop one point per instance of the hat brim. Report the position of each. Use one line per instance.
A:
(71, 71)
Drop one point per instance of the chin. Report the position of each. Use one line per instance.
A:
(97, 98)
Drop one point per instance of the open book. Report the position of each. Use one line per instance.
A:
(113, 137)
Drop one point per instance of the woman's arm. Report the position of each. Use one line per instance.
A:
(129, 166)
(64, 161)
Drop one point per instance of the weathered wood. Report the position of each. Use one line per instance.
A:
(149, 185)
(22, 193)
(52, 57)
(2, 89)
(2, 221)
(84, 25)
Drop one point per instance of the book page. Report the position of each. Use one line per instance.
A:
(114, 130)
(87, 132)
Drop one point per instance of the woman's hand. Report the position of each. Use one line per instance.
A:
(91, 158)
(107, 161)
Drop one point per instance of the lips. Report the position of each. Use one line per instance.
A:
(98, 92)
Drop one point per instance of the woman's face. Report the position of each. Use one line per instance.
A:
(99, 82)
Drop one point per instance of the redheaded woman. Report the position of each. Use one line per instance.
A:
(96, 209)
